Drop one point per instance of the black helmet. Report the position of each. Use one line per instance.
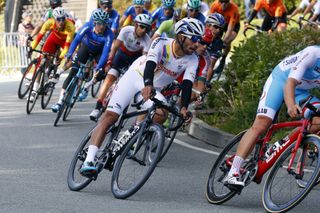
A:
(108, 2)
(55, 3)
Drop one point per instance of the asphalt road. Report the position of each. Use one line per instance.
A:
(35, 157)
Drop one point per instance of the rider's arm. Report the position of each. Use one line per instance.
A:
(186, 93)
(252, 15)
(289, 92)
(210, 69)
(105, 51)
(45, 27)
(309, 8)
(125, 15)
(149, 73)
(76, 41)
(70, 35)
(115, 24)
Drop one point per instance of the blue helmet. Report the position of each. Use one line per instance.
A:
(168, 3)
(216, 19)
(138, 2)
(100, 15)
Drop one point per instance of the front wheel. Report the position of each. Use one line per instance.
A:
(33, 91)
(217, 192)
(26, 79)
(137, 161)
(281, 192)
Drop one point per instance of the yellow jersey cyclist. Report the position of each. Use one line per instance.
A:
(61, 35)
(290, 81)
(166, 59)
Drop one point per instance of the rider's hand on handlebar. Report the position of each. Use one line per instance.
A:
(208, 86)
(187, 115)
(294, 111)
(147, 92)
(245, 25)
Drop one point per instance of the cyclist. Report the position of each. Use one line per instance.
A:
(166, 29)
(290, 81)
(215, 22)
(231, 14)
(132, 11)
(149, 6)
(166, 60)
(193, 10)
(96, 40)
(132, 42)
(114, 16)
(302, 7)
(313, 7)
(163, 13)
(62, 33)
(275, 18)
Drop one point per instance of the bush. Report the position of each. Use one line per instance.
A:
(235, 99)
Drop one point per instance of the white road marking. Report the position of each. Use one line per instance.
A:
(181, 143)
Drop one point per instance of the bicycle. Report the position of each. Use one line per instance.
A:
(286, 159)
(140, 149)
(72, 93)
(312, 24)
(47, 67)
(252, 27)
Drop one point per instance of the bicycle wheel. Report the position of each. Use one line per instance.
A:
(137, 162)
(30, 105)
(47, 90)
(72, 98)
(26, 79)
(75, 180)
(95, 88)
(217, 192)
(281, 192)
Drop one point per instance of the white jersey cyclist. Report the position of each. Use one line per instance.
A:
(131, 42)
(168, 69)
(304, 67)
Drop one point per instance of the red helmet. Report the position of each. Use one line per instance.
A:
(207, 36)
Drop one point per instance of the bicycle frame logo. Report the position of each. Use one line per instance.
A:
(278, 150)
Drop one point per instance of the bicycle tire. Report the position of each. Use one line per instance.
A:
(72, 97)
(130, 157)
(269, 198)
(30, 105)
(220, 165)
(47, 94)
(31, 67)
(95, 88)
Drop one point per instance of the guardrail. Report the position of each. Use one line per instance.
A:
(12, 52)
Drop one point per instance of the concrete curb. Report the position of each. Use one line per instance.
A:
(202, 131)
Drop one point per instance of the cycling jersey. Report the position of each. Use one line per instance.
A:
(201, 17)
(131, 43)
(166, 29)
(275, 9)
(231, 14)
(304, 67)
(96, 43)
(168, 69)
(63, 37)
(215, 48)
(304, 3)
(130, 11)
(160, 16)
(113, 21)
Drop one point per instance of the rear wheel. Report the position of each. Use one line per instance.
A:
(281, 192)
(26, 79)
(72, 97)
(47, 90)
(137, 162)
(217, 192)
(95, 88)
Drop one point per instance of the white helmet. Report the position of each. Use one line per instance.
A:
(189, 26)
(59, 12)
(143, 19)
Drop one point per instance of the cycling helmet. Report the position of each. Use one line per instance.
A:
(100, 15)
(59, 12)
(138, 2)
(55, 3)
(216, 19)
(177, 14)
(194, 4)
(189, 26)
(105, 2)
(207, 36)
(168, 3)
(143, 19)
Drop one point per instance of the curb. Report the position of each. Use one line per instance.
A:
(204, 132)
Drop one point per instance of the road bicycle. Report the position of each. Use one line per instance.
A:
(287, 159)
(72, 92)
(45, 67)
(253, 27)
(137, 151)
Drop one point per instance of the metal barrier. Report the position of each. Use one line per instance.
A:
(12, 52)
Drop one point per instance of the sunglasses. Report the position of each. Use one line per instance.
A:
(105, 6)
(100, 23)
(138, 7)
(213, 25)
(61, 19)
(193, 10)
(144, 27)
(204, 43)
(224, 2)
(194, 39)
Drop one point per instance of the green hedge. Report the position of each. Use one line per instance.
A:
(235, 99)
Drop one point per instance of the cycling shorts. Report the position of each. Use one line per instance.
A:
(128, 86)
(53, 43)
(272, 96)
(269, 20)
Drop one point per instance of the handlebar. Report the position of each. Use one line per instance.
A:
(305, 103)
(253, 27)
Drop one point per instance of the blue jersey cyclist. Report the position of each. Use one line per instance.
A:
(114, 16)
(132, 11)
(96, 41)
(164, 13)
(290, 81)
(193, 10)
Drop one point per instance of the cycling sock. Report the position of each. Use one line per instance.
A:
(35, 86)
(99, 104)
(92, 151)
(236, 165)
(60, 99)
